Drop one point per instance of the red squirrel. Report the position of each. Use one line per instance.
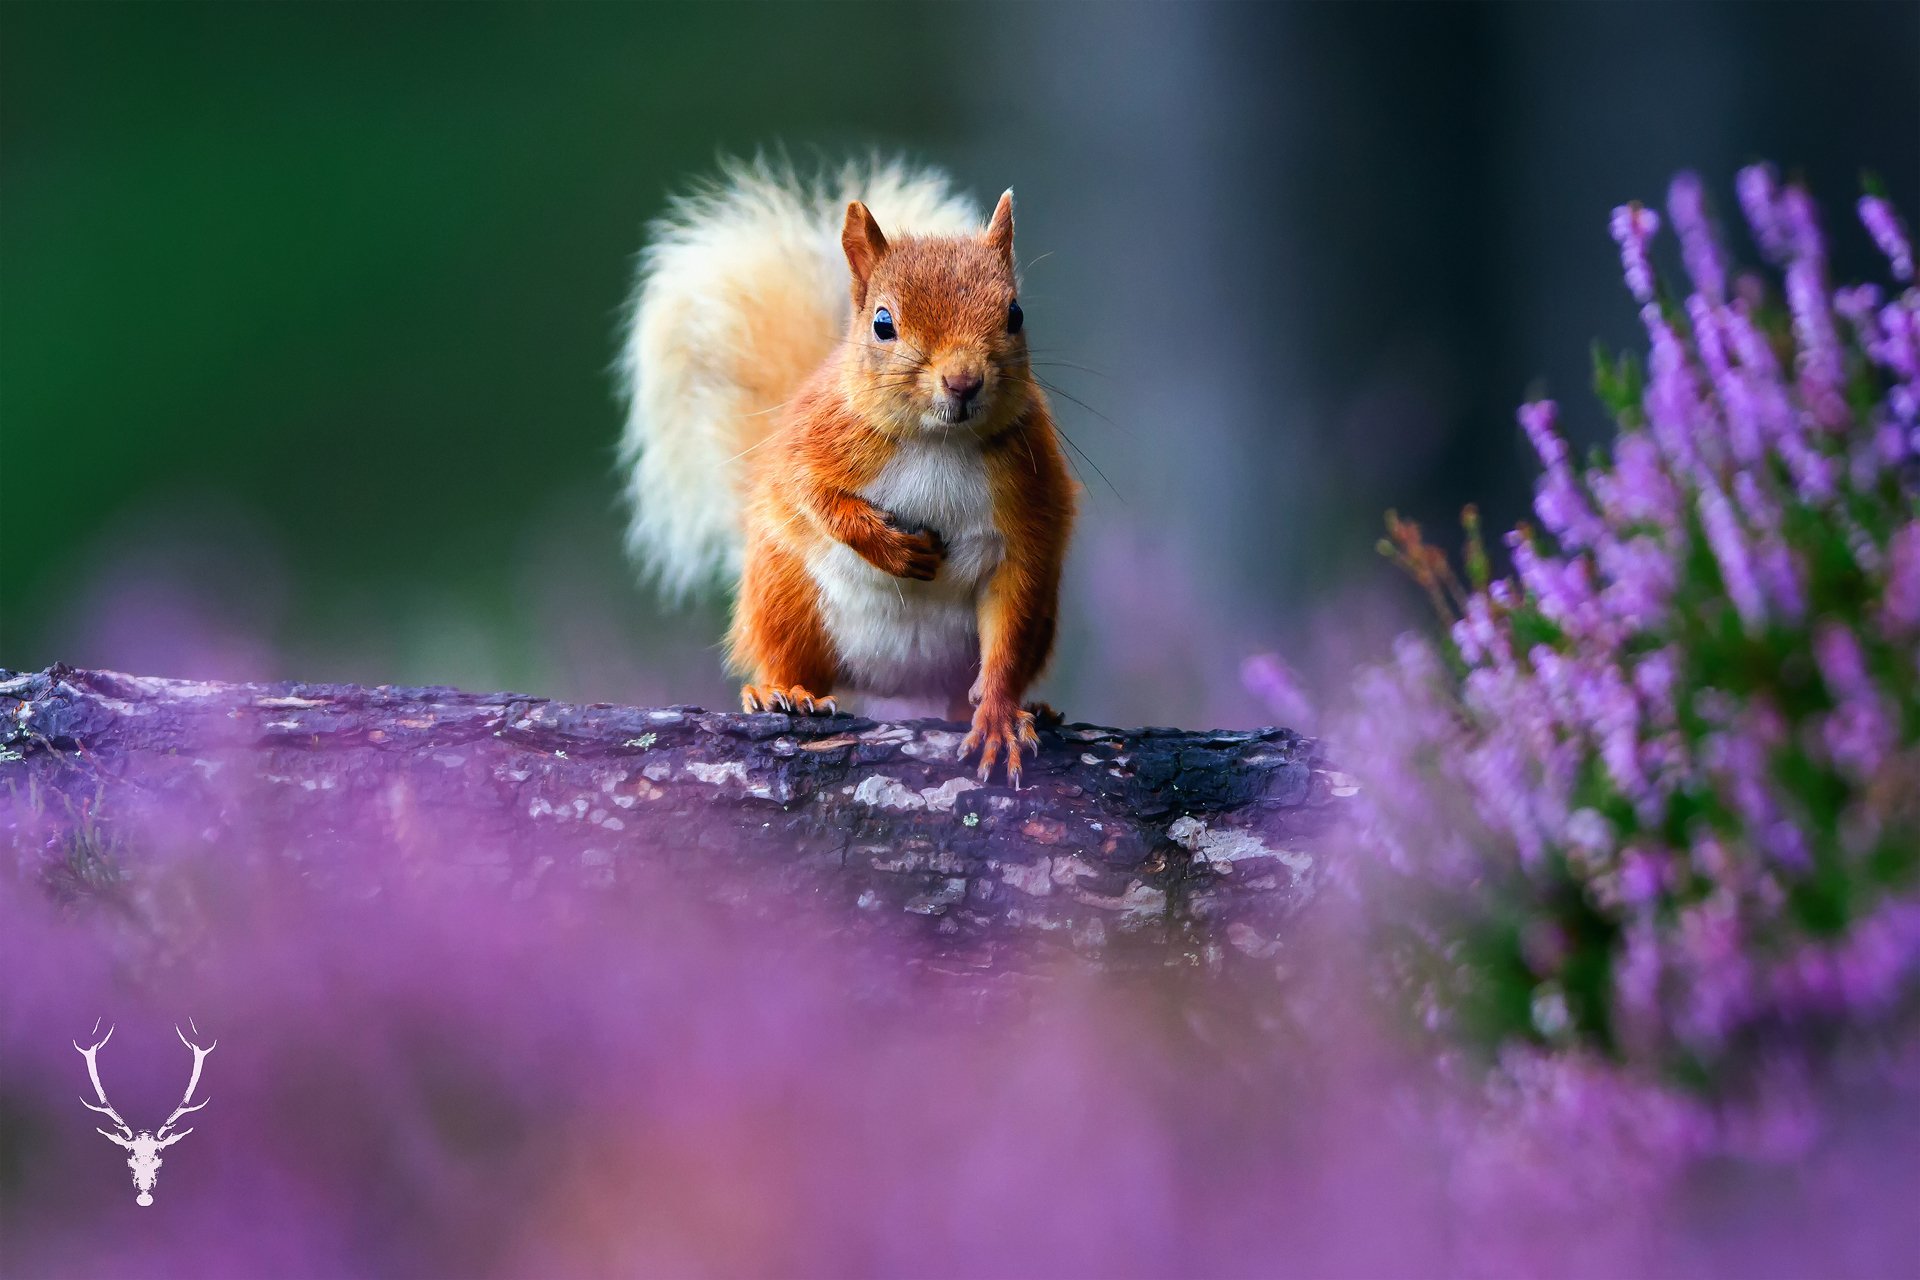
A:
(884, 482)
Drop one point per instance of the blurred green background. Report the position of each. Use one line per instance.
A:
(306, 310)
(342, 281)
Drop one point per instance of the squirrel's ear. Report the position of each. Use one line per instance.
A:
(863, 242)
(1000, 229)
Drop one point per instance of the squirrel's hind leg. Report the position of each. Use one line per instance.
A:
(779, 640)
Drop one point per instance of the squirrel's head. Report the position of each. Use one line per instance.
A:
(937, 342)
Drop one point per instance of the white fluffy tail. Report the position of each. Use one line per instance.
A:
(742, 292)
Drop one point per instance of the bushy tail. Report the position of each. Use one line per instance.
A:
(742, 292)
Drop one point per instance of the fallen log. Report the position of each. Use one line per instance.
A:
(1149, 846)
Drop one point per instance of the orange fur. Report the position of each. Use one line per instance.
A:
(866, 406)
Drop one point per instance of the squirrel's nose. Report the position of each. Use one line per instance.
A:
(963, 387)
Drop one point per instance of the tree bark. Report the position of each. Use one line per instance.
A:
(1140, 847)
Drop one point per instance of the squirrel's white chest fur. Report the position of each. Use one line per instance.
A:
(899, 638)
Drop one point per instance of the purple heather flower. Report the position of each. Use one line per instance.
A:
(1898, 350)
(1821, 366)
(1893, 446)
(1759, 194)
(1843, 667)
(1699, 248)
(1709, 336)
(1508, 696)
(1800, 220)
(1563, 589)
(1774, 560)
(1718, 993)
(1756, 502)
(1815, 476)
(1479, 637)
(1900, 605)
(1857, 735)
(1615, 717)
(1711, 861)
(1573, 738)
(1883, 224)
(1773, 408)
(1562, 508)
(1859, 304)
(1503, 795)
(1711, 339)
(1538, 419)
(1653, 678)
(1728, 543)
(1589, 831)
(1672, 400)
(1634, 226)
(1636, 985)
(1879, 959)
(1640, 876)
(1666, 759)
(1595, 700)
(1873, 455)
(1553, 684)
(1858, 732)
(1637, 490)
(1780, 572)
(1640, 576)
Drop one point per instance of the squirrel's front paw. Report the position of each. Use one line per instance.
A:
(1044, 714)
(791, 698)
(1000, 727)
(912, 554)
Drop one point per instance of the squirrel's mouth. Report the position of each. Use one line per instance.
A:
(948, 412)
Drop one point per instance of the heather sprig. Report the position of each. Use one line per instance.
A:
(1662, 780)
(1883, 224)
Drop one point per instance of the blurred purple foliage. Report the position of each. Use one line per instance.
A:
(440, 1079)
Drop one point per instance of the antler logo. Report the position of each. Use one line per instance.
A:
(144, 1147)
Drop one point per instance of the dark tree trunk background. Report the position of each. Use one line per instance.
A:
(1140, 847)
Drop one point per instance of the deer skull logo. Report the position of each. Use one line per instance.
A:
(144, 1147)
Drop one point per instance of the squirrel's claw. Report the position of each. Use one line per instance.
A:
(915, 553)
(1045, 714)
(925, 551)
(997, 731)
(792, 699)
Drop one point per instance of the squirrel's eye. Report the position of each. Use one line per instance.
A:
(1015, 317)
(883, 325)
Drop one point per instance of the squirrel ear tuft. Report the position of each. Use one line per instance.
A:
(863, 242)
(1000, 229)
